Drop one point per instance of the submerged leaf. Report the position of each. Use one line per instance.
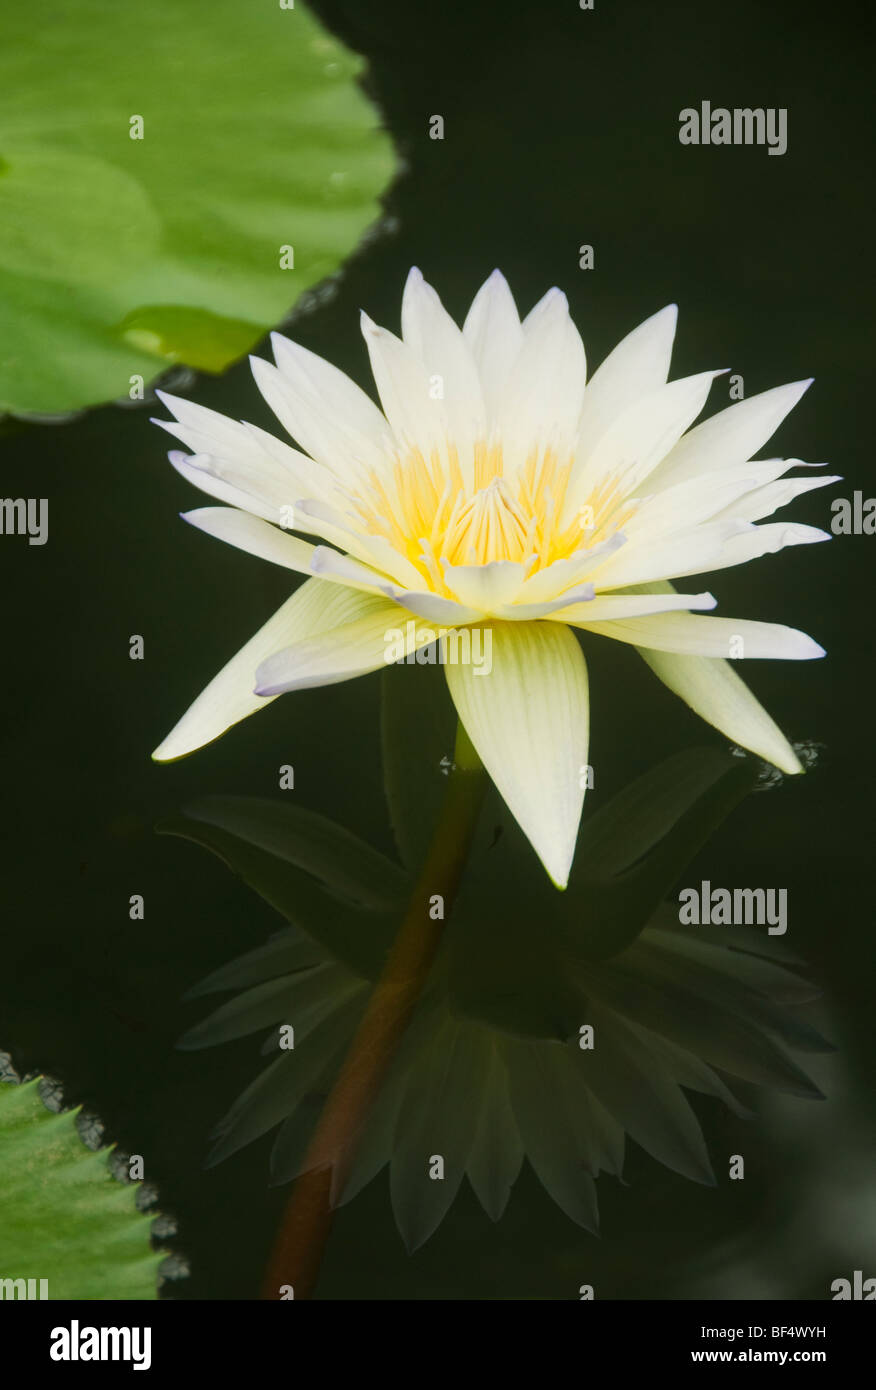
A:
(436, 1124)
(490, 1070)
(348, 868)
(328, 908)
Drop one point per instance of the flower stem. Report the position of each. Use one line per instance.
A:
(307, 1218)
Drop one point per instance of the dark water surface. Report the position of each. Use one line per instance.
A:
(561, 129)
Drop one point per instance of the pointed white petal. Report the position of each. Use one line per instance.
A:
(528, 719)
(686, 552)
(637, 366)
(417, 416)
(257, 537)
(763, 501)
(312, 479)
(750, 544)
(430, 332)
(517, 612)
(638, 439)
(717, 694)
(493, 332)
(218, 434)
(303, 424)
(376, 551)
(253, 455)
(732, 492)
(731, 436)
(330, 564)
(230, 696)
(351, 649)
(562, 575)
(687, 505)
(329, 415)
(433, 607)
(712, 637)
(541, 404)
(196, 469)
(485, 587)
(611, 606)
(273, 499)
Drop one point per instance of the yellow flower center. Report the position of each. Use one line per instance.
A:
(429, 515)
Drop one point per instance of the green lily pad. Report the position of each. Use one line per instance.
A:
(63, 1216)
(121, 256)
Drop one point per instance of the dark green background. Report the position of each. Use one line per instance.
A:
(561, 129)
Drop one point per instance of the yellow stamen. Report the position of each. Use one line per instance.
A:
(428, 513)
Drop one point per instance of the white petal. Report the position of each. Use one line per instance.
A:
(376, 551)
(541, 404)
(312, 478)
(763, 501)
(557, 578)
(328, 414)
(528, 719)
(418, 419)
(485, 587)
(217, 434)
(296, 420)
(273, 499)
(430, 332)
(687, 505)
(731, 436)
(715, 637)
(751, 543)
(517, 612)
(639, 439)
(742, 480)
(352, 649)
(687, 552)
(610, 606)
(636, 367)
(433, 607)
(196, 469)
(717, 694)
(256, 537)
(230, 696)
(330, 564)
(237, 446)
(493, 332)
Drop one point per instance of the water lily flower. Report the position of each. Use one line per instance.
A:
(499, 487)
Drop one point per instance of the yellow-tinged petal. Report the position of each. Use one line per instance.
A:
(353, 648)
(258, 461)
(609, 607)
(639, 438)
(638, 365)
(714, 691)
(646, 562)
(732, 435)
(485, 587)
(329, 415)
(544, 392)
(529, 721)
(256, 537)
(230, 696)
(493, 332)
(687, 634)
(750, 544)
(717, 694)
(429, 331)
